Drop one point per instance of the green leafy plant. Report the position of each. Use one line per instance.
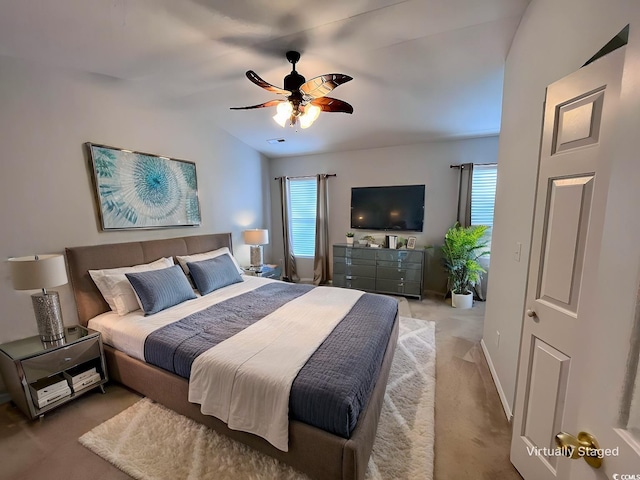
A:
(368, 239)
(462, 248)
(350, 234)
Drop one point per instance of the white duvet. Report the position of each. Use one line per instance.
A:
(245, 380)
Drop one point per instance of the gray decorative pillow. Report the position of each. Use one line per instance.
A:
(158, 290)
(215, 273)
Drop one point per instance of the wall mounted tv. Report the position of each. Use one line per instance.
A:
(399, 207)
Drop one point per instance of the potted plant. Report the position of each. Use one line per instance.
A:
(368, 239)
(350, 236)
(462, 248)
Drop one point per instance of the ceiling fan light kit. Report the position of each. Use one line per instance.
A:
(305, 100)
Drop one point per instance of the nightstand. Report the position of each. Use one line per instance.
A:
(266, 271)
(28, 364)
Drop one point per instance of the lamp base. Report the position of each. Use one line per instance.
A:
(255, 255)
(48, 316)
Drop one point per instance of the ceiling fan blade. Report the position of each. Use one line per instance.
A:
(328, 104)
(270, 103)
(253, 76)
(319, 86)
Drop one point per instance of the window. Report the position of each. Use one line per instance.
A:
(483, 197)
(483, 194)
(303, 194)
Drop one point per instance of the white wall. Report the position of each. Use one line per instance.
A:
(426, 163)
(554, 39)
(46, 196)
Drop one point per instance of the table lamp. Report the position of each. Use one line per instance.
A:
(42, 272)
(256, 238)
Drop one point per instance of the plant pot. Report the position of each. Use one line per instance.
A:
(459, 300)
(349, 240)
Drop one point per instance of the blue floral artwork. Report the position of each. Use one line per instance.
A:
(139, 190)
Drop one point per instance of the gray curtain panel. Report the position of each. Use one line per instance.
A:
(289, 268)
(464, 214)
(321, 260)
(464, 194)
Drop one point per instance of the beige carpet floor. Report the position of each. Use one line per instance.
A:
(472, 434)
(150, 442)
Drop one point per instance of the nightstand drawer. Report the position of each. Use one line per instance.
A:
(60, 359)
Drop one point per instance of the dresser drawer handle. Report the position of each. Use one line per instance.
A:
(67, 359)
(349, 277)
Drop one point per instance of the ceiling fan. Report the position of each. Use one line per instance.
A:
(305, 100)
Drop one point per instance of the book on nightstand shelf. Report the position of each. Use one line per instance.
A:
(86, 382)
(45, 387)
(54, 397)
(79, 373)
(81, 377)
(49, 390)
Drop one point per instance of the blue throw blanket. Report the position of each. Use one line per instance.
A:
(332, 388)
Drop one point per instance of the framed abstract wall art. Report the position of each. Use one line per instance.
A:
(141, 190)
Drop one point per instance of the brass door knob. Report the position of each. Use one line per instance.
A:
(584, 446)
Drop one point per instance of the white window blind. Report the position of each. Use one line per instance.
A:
(303, 194)
(483, 194)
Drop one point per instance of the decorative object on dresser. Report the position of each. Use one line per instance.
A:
(367, 239)
(381, 270)
(42, 272)
(141, 190)
(462, 248)
(42, 376)
(256, 238)
(411, 243)
(350, 236)
(391, 241)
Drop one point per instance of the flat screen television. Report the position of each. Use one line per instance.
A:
(399, 207)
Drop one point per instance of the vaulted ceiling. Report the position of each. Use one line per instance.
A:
(422, 69)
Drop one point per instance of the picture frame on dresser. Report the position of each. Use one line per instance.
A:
(411, 243)
(136, 190)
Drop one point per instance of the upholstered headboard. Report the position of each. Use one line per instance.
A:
(89, 301)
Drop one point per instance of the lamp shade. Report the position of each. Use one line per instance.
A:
(256, 237)
(35, 272)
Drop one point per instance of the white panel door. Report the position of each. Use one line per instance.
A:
(562, 292)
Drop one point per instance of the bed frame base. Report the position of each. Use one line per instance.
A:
(319, 454)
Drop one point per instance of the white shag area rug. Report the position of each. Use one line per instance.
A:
(150, 442)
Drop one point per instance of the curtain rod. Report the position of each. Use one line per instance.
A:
(307, 176)
(478, 164)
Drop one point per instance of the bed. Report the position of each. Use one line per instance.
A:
(315, 451)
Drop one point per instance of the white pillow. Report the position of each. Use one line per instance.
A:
(198, 257)
(116, 289)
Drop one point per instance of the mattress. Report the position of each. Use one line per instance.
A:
(329, 392)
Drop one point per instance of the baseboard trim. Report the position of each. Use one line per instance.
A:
(496, 381)
(434, 293)
(4, 398)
